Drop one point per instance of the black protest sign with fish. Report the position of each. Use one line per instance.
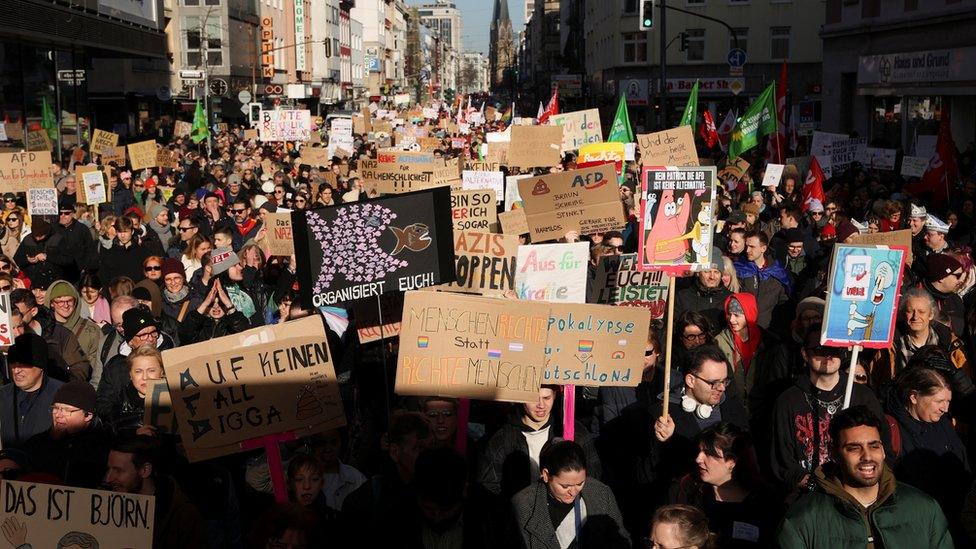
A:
(364, 249)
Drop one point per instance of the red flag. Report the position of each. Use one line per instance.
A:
(813, 186)
(552, 108)
(707, 129)
(725, 130)
(943, 170)
(777, 141)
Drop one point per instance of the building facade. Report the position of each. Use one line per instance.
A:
(502, 55)
(474, 73)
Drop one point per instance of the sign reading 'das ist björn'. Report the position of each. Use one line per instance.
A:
(46, 515)
(676, 218)
(595, 345)
(471, 347)
(552, 272)
(262, 381)
(618, 282)
(485, 263)
(364, 249)
(586, 201)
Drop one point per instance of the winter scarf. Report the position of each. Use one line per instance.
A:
(178, 296)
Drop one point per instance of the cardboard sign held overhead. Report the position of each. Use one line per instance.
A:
(116, 154)
(20, 171)
(579, 128)
(599, 153)
(914, 166)
(263, 381)
(495, 181)
(772, 175)
(166, 158)
(250, 134)
(902, 239)
(280, 239)
(368, 326)
(42, 201)
(552, 272)
(93, 183)
(182, 128)
(38, 140)
(514, 222)
(403, 172)
(471, 347)
(473, 210)
(676, 223)
(535, 146)
(143, 154)
(674, 147)
(102, 142)
(586, 201)
(484, 263)
(618, 282)
(316, 156)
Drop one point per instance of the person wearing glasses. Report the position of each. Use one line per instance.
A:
(14, 231)
(187, 227)
(246, 226)
(63, 300)
(25, 404)
(76, 446)
(943, 277)
(66, 355)
(800, 440)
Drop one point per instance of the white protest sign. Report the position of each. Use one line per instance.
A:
(94, 184)
(6, 332)
(473, 180)
(3, 131)
(552, 272)
(772, 175)
(512, 195)
(914, 166)
(285, 125)
(878, 159)
(42, 201)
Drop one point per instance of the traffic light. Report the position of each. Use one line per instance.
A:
(684, 41)
(646, 15)
(254, 114)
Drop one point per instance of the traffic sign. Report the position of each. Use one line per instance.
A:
(73, 77)
(218, 87)
(244, 97)
(737, 57)
(736, 86)
(188, 74)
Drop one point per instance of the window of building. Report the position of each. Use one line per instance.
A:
(635, 47)
(696, 44)
(739, 2)
(201, 2)
(779, 42)
(194, 41)
(742, 34)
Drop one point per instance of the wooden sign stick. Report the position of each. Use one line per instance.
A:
(849, 389)
(667, 356)
(275, 465)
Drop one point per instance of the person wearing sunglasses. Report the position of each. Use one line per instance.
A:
(14, 231)
(944, 275)
(247, 226)
(9, 202)
(801, 414)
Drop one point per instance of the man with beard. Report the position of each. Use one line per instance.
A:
(132, 470)
(858, 502)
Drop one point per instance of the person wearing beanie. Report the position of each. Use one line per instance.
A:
(67, 360)
(943, 277)
(846, 231)
(706, 294)
(25, 403)
(159, 223)
(176, 292)
(75, 448)
(63, 300)
(150, 296)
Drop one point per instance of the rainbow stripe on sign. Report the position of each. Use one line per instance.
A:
(422, 341)
(586, 345)
(494, 353)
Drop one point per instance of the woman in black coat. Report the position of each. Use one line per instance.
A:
(215, 317)
(126, 256)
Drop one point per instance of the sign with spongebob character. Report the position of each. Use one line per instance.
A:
(263, 381)
(364, 249)
(676, 221)
(40, 516)
(595, 345)
(865, 282)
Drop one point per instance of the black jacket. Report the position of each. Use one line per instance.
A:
(123, 261)
(115, 377)
(54, 246)
(80, 247)
(708, 301)
(197, 327)
(79, 459)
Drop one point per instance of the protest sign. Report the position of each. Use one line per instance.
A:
(285, 125)
(484, 263)
(471, 347)
(845, 151)
(514, 222)
(902, 238)
(876, 158)
(53, 516)
(143, 154)
(535, 146)
(166, 158)
(619, 282)
(20, 171)
(862, 300)
(359, 250)
(103, 141)
(369, 328)
(676, 218)
(595, 345)
(579, 128)
(914, 166)
(552, 272)
(6, 330)
(38, 140)
(401, 172)
(93, 183)
(674, 147)
(182, 128)
(586, 201)
(280, 239)
(471, 180)
(316, 156)
(157, 409)
(473, 210)
(772, 175)
(3, 131)
(263, 381)
(734, 170)
(429, 144)
(116, 154)
(250, 134)
(513, 198)
(599, 153)
(42, 201)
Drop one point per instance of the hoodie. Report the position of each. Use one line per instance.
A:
(85, 330)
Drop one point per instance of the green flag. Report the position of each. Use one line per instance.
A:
(691, 109)
(758, 121)
(620, 131)
(48, 120)
(199, 131)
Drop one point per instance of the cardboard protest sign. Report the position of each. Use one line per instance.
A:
(103, 141)
(250, 134)
(586, 201)
(579, 128)
(877, 158)
(6, 330)
(42, 201)
(429, 144)
(473, 210)
(772, 174)
(158, 407)
(676, 221)
(599, 153)
(182, 128)
(20, 171)
(481, 165)
(401, 172)
(359, 250)
(535, 146)
(514, 222)
(143, 154)
(484, 263)
(471, 347)
(595, 345)
(674, 147)
(115, 154)
(552, 272)
(316, 156)
(166, 158)
(263, 381)
(47, 515)
(862, 299)
(280, 239)
(914, 166)
(285, 125)
(734, 170)
(369, 327)
(495, 181)
(619, 282)
(902, 238)
(38, 140)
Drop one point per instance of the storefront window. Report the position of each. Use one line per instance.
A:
(924, 114)
(886, 119)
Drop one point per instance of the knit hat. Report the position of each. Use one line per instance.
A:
(828, 231)
(233, 178)
(155, 210)
(66, 203)
(43, 279)
(141, 293)
(815, 205)
(736, 216)
(917, 211)
(845, 229)
(933, 223)
(717, 259)
(29, 349)
(223, 259)
(793, 235)
(55, 290)
(267, 187)
(77, 393)
(939, 266)
(171, 265)
(810, 303)
(134, 320)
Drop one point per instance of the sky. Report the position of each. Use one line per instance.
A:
(476, 19)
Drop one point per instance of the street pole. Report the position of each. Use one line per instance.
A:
(664, 64)
(206, 80)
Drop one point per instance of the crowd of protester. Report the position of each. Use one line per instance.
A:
(756, 449)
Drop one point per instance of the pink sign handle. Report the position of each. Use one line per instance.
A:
(569, 412)
(275, 465)
(461, 435)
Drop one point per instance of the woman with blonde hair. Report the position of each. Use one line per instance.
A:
(729, 277)
(15, 230)
(197, 247)
(106, 232)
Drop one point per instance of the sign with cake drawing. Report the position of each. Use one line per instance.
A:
(676, 221)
